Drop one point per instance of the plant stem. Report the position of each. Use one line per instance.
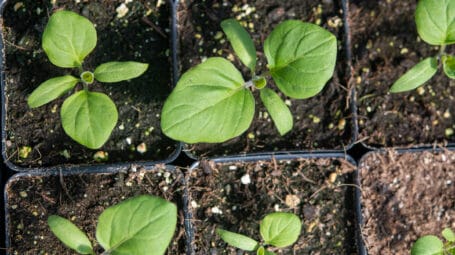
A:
(441, 51)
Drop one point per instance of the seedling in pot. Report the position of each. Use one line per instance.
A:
(435, 20)
(278, 230)
(213, 103)
(87, 117)
(432, 245)
(140, 225)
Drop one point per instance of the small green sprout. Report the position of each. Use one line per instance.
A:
(277, 229)
(213, 103)
(87, 117)
(140, 225)
(432, 245)
(435, 20)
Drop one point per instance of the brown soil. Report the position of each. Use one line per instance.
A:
(323, 121)
(81, 198)
(385, 45)
(406, 196)
(139, 102)
(300, 186)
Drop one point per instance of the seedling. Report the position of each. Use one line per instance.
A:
(140, 225)
(213, 103)
(277, 229)
(435, 20)
(87, 117)
(432, 245)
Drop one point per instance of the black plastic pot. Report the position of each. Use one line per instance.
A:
(207, 167)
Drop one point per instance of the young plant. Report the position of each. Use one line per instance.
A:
(87, 117)
(213, 103)
(137, 226)
(435, 20)
(432, 245)
(277, 229)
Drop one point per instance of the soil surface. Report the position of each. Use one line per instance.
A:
(385, 45)
(221, 196)
(323, 121)
(141, 35)
(406, 196)
(81, 198)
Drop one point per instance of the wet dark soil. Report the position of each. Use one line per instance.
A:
(385, 45)
(141, 35)
(314, 189)
(323, 121)
(81, 198)
(406, 196)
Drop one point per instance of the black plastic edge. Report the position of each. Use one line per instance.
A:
(73, 167)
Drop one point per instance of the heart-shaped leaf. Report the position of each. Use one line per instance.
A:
(89, 118)
(301, 57)
(68, 38)
(237, 240)
(416, 76)
(280, 229)
(448, 63)
(119, 71)
(209, 104)
(279, 111)
(141, 225)
(51, 89)
(70, 235)
(435, 20)
(428, 245)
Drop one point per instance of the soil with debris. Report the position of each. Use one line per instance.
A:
(81, 198)
(406, 196)
(323, 121)
(237, 196)
(34, 137)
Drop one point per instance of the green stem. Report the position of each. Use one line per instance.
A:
(441, 51)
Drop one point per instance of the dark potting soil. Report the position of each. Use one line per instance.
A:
(81, 198)
(237, 196)
(406, 196)
(319, 122)
(385, 45)
(141, 35)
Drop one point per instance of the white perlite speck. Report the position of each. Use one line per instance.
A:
(246, 179)
(216, 210)
(122, 10)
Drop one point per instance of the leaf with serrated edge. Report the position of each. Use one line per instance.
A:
(140, 225)
(237, 240)
(241, 42)
(428, 245)
(89, 118)
(279, 111)
(119, 71)
(416, 76)
(301, 57)
(69, 234)
(68, 38)
(51, 89)
(435, 20)
(448, 234)
(280, 229)
(448, 63)
(209, 104)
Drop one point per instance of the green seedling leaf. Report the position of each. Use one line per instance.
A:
(68, 38)
(435, 20)
(89, 118)
(279, 111)
(237, 240)
(70, 235)
(448, 63)
(448, 234)
(241, 42)
(119, 71)
(141, 225)
(301, 57)
(428, 245)
(416, 76)
(280, 229)
(263, 251)
(51, 89)
(209, 104)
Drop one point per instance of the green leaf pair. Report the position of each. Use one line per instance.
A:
(432, 245)
(140, 225)
(213, 103)
(435, 20)
(87, 117)
(277, 229)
